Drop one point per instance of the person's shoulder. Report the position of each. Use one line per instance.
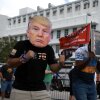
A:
(85, 48)
(78, 50)
(19, 43)
(48, 47)
(22, 43)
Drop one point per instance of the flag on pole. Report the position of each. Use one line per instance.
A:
(81, 36)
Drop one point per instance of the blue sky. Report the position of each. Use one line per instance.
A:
(11, 7)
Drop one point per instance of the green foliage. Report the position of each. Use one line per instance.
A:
(6, 45)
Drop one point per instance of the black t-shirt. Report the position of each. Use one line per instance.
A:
(30, 75)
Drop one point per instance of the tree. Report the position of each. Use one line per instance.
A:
(6, 45)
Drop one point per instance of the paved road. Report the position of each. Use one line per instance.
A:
(5, 99)
(55, 95)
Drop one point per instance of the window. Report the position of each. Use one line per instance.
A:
(65, 32)
(95, 3)
(24, 18)
(29, 16)
(9, 21)
(94, 27)
(19, 20)
(35, 13)
(47, 14)
(85, 0)
(14, 21)
(57, 48)
(61, 10)
(21, 37)
(41, 13)
(77, 7)
(58, 33)
(54, 12)
(86, 5)
(69, 9)
(74, 29)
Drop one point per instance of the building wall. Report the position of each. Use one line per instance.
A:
(3, 24)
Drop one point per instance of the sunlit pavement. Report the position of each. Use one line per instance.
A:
(55, 96)
(5, 98)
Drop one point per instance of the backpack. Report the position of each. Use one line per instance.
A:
(56, 84)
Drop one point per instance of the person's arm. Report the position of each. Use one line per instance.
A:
(57, 66)
(15, 62)
(14, 56)
(61, 61)
(1, 76)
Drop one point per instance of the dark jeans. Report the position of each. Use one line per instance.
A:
(98, 89)
(6, 86)
(84, 91)
(70, 78)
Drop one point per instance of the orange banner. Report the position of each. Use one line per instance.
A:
(81, 36)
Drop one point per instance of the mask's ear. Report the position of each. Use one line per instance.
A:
(27, 33)
(49, 38)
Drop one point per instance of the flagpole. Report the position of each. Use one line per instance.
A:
(92, 36)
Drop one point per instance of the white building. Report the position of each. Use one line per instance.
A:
(65, 18)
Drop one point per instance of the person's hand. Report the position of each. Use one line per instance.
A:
(30, 54)
(9, 70)
(26, 57)
(62, 58)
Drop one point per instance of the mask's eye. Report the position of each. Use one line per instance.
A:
(46, 31)
(35, 28)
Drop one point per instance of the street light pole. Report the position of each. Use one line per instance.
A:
(88, 14)
(9, 39)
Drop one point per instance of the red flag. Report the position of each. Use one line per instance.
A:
(81, 36)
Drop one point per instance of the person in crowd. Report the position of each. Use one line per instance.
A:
(6, 75)
(48, 77)
(30, 57)
(83, 85)
(98, 79)
(71, 97)
(98, 85)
